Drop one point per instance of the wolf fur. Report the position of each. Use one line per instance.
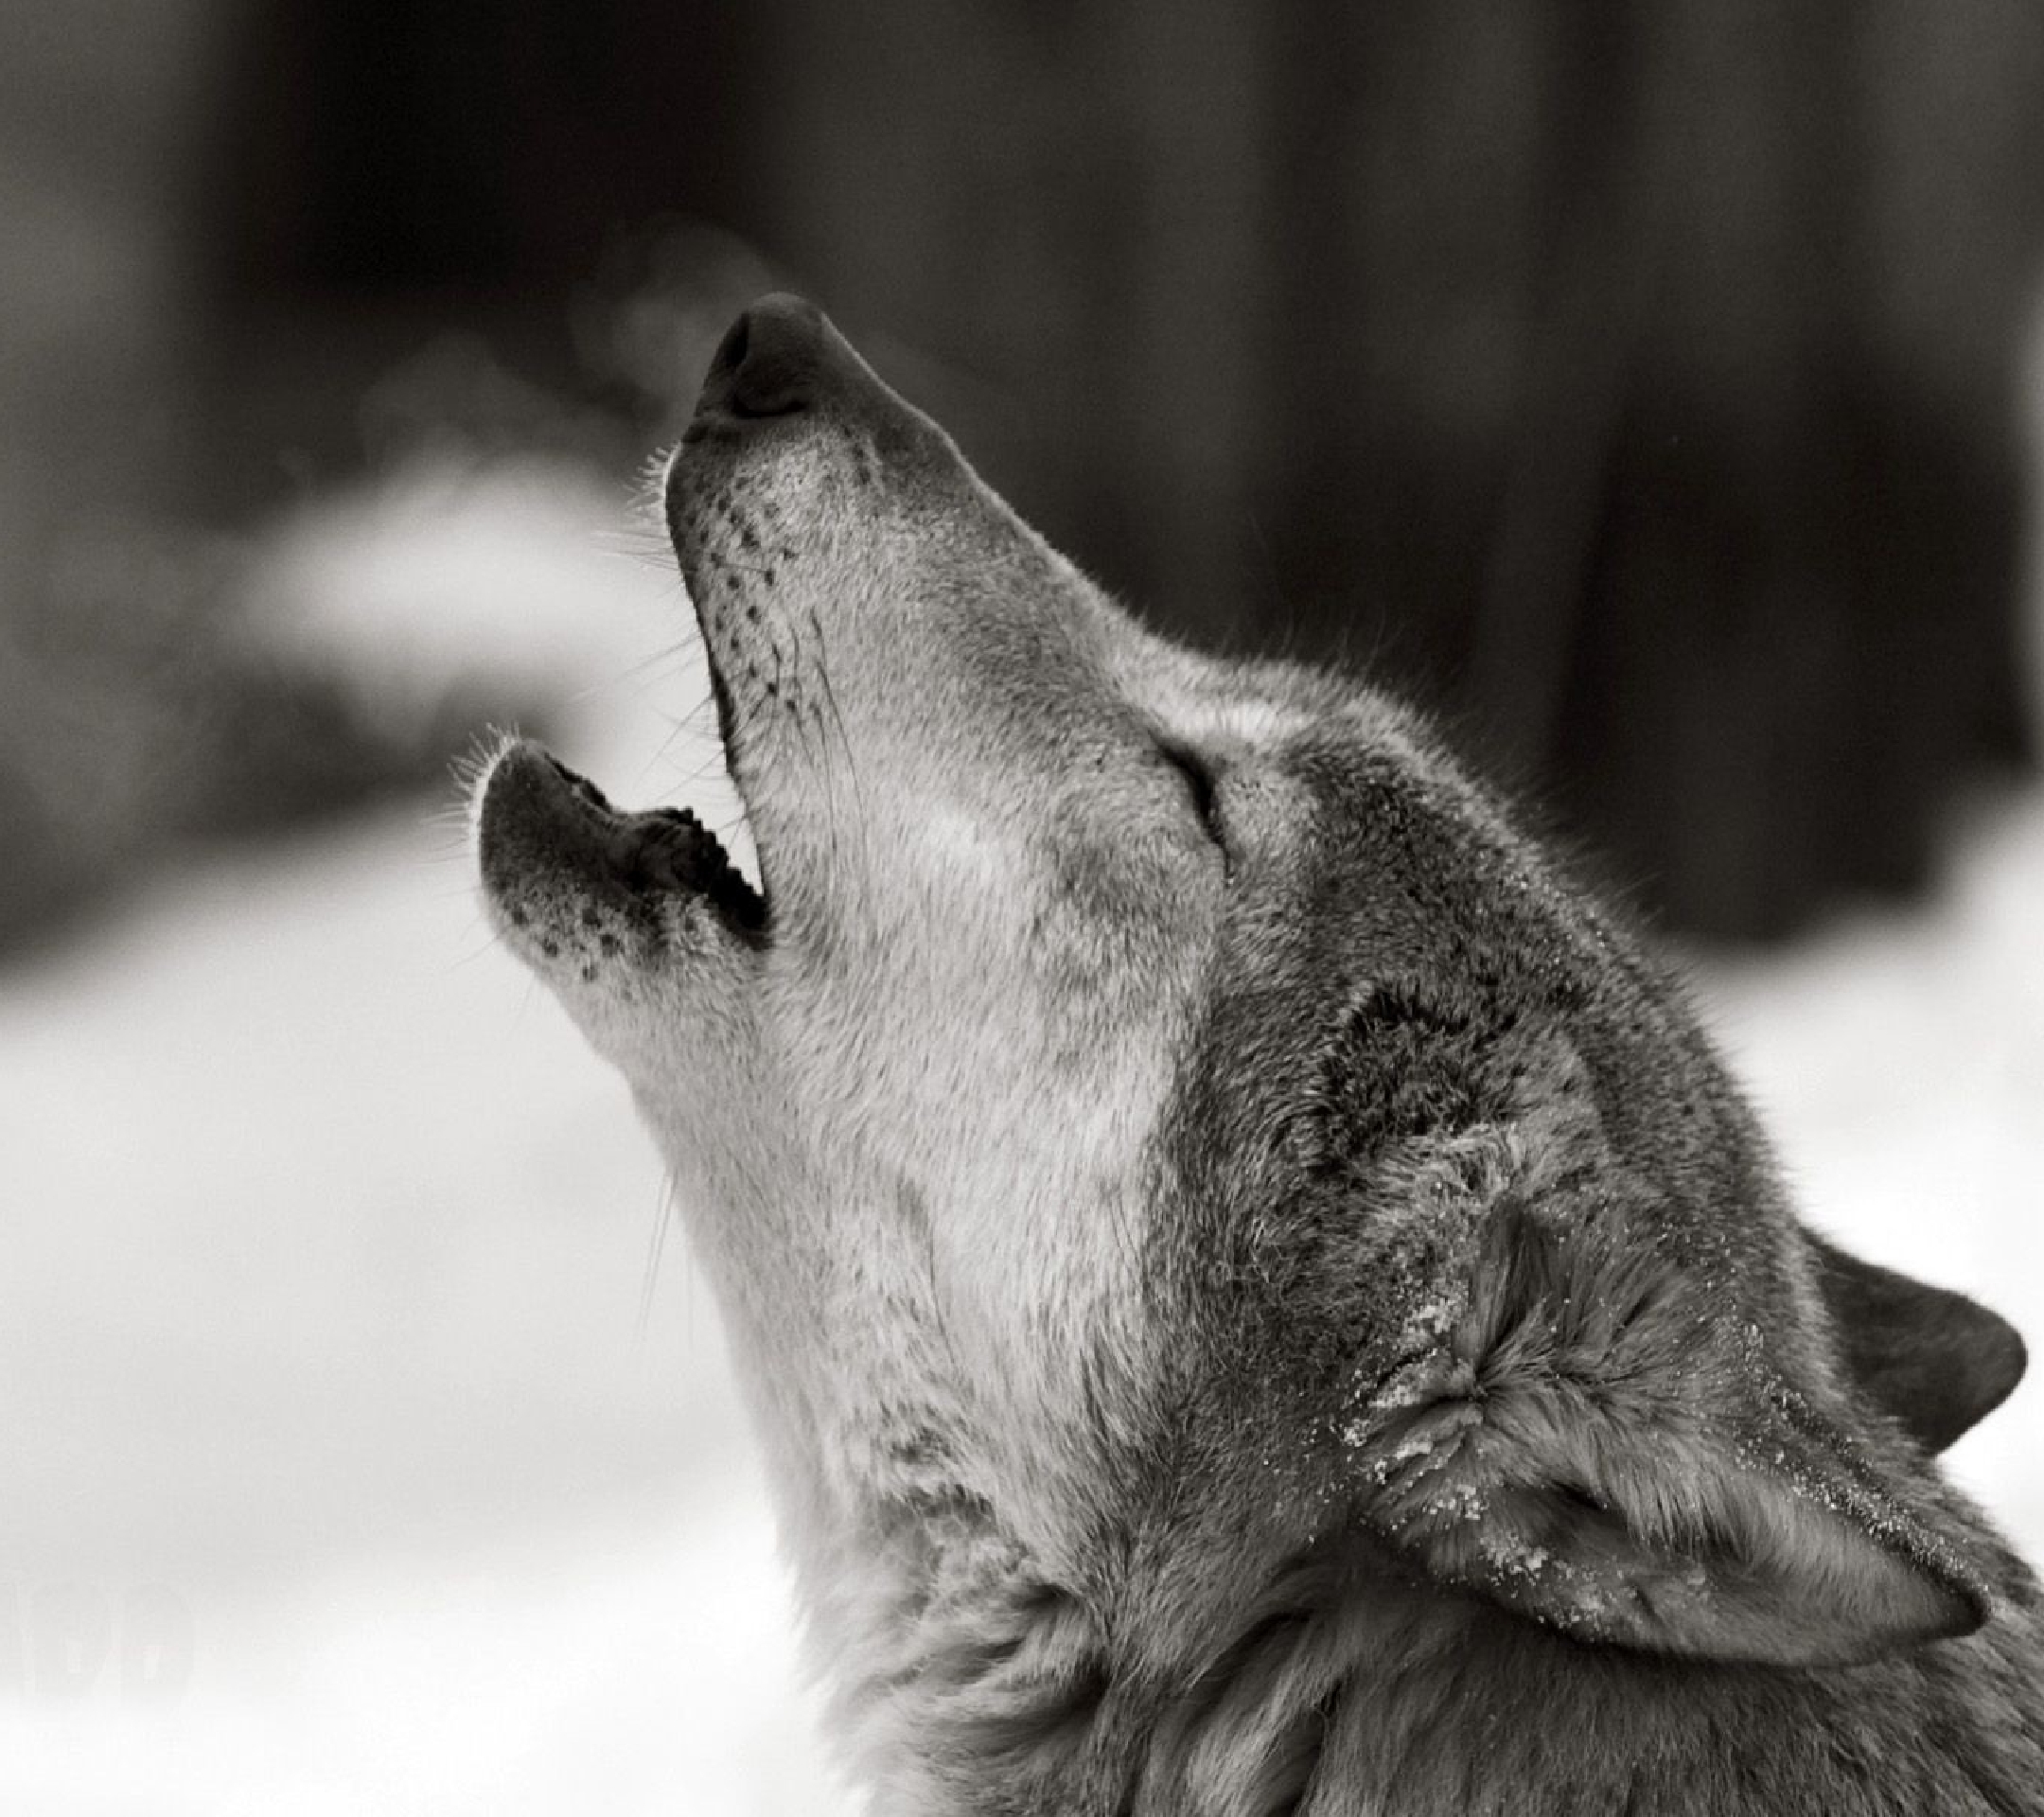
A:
(1257, 1293)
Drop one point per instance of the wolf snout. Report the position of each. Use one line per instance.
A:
(772, 361)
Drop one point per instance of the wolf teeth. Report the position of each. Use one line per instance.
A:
(665, 848)
(672, 849)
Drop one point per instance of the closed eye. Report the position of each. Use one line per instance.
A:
(1199, 784)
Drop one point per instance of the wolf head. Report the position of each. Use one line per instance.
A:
(1157, 1119)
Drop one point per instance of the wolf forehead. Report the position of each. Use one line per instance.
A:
(1422, 969)
(1426, 985)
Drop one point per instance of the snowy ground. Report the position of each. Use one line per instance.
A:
(353, 1468)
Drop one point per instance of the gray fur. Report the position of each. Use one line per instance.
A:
(1258, 1295)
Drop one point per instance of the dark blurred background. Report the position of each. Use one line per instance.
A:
(1637, 383)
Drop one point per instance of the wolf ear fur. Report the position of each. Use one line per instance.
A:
(1593, 1448)
(1937, 1361)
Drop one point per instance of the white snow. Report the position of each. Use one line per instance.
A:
(1899, 1059)
(342, 1477)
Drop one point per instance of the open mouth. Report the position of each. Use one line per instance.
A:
(573, 878)
(550, 843)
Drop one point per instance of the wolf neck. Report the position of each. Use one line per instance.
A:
(999, 1695)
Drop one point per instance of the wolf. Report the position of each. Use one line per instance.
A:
(1256, 1291)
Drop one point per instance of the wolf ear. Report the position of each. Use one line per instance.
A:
(1937, 1361)
(1597, 1447)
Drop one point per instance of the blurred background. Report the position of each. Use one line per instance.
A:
(1654, 390)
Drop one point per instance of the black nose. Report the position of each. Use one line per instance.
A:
(769, 361)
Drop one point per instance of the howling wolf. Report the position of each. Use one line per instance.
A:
(1257, 1294)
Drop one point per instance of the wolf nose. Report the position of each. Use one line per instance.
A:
(769, 360)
